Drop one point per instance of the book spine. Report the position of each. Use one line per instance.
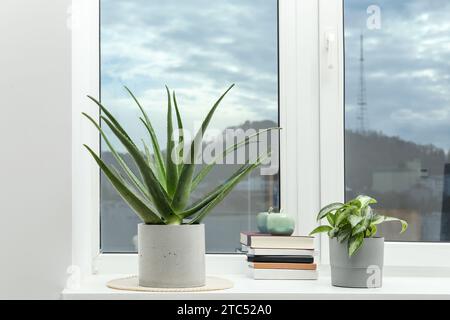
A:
(276, 274)
(285, 259)
(281, 265)
(281, 252)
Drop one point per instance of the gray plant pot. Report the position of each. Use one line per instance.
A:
(363, 270)
(171, 256)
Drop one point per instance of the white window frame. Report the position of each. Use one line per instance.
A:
(299, 102)
(311, 141)
(397, 254)
(85, 174)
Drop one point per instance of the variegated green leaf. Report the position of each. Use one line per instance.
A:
(371, 231)
(342, 215)
(377, 219)
(365, 200)
(403, 222)
(344, 233)
(355, 243)
(331, 219)
(354, 220)
(329, 208)
(362, 226)
(333, 232)
(321, 229)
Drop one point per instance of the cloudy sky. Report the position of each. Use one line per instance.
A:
(197, 47)
(200, 47)
(407, 65)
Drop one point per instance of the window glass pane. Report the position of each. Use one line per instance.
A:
(397, 112)
(198, 48)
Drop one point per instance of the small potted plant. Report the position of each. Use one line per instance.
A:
(356, 254)
(171, 239)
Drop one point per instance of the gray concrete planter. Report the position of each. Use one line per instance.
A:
(363, 270)
(171, 256)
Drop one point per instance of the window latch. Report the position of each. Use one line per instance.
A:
(330, 45)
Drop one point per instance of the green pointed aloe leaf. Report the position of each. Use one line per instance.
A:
(111, 118)
(227, 189)
(157, 192)
(133, 189)
(152, 164)
(180, 129)
(207, 168)
(183, 189)
(141, 209)
(148, 125)
(147, 154)
(159, 162)
(135, 180)
(159, 174)
(171, 166)
(200, 204)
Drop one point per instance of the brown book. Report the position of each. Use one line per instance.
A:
(278, 265)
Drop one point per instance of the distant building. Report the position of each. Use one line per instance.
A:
(411, 178)
(398, 179)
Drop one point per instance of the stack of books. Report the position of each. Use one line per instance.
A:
(279, 257)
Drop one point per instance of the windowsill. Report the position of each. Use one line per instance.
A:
(394, 287)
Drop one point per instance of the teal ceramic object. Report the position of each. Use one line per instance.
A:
(280, 224)
(261, 221)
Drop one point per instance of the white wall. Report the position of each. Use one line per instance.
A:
(35, 148)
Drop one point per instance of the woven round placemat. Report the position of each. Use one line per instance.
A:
(131, 284)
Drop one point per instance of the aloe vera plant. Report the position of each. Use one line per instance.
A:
(353, 221)
(161, 192)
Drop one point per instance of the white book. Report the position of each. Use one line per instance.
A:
(280, 252)
(283, 274)
(281, 242)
